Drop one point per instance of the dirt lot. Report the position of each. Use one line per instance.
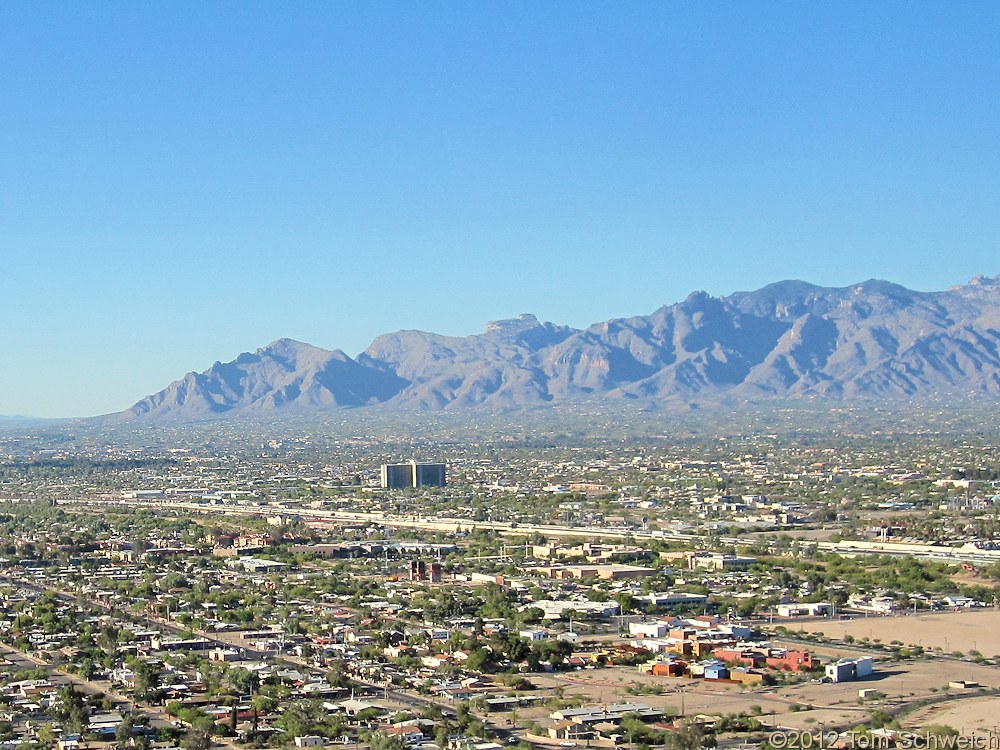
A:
(805, 705)
(812, 705)
(964, 630)
(972, 716)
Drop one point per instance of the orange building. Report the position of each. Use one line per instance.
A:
(793, 660)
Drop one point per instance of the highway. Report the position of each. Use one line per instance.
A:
(939, 553)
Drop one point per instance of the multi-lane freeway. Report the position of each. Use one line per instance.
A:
(941, 553)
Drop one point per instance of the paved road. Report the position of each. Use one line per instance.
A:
(90, 687)
(922, 551)
(156, 714)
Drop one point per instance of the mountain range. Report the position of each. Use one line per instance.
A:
(790, 339)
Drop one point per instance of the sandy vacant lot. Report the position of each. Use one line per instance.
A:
(964, 630)
(810, 705)
(975, 716)
(819, 705)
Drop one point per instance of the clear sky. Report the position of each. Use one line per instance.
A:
(184, 181)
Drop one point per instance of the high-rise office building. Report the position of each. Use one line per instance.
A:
(428, 475)
(397, 476)
(412, 474)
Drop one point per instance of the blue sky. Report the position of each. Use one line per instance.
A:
(183, 181)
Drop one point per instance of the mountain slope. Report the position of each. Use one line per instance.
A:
(285, 374)
(495, 366)
(790, 339)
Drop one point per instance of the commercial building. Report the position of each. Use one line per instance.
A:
(412, 474)
(805, 609)
(397, 476)
(720, 561)
(612, 572)
(673, 599)
(614, 712)
(428, 475)
(793, 660)
(847, 670)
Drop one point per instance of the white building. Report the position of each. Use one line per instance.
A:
(648, 629)
(310, 740)
(846, 670)
(533, 635)
(805, 609)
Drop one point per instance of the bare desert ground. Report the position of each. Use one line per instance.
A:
(975, 716)
(963, 630)
(810, 704)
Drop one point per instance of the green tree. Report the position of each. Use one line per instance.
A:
(197, 739)
(46, 736)
(690, 735)
(380, 741)
(147, 680)
(123, 732)
(463, 715)
(241, 680)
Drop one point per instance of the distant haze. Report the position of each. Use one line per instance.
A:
(872, 340)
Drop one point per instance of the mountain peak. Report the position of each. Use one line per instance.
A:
(285, 346)
(513, 326)
(880, 286)
(984, 281)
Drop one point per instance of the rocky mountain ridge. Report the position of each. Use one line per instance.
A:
(791, 339)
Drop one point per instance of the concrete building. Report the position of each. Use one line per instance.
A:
(614, 712)
(611, 572)
(673, 598)
(428, 475)
(879, 604)
(397, 476)
(805, 609)
(716, 670)
(719, 561)
(846, 670)
(412, 474)
(745, 657)
(310, 740)
(666, 668)
(648, 629)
